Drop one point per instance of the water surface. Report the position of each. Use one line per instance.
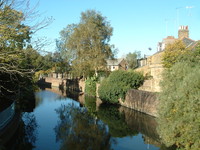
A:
(57, 122)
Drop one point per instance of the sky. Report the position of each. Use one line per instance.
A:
(137, 24)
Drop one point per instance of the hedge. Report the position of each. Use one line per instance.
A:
(117, 84)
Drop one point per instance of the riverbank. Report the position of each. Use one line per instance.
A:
(142, 101)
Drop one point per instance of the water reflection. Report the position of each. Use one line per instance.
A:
(25, 135)
(124, 122)
(20, 131)
(110, 115)
(90, 104)
(143, 123)
(30, 128)
(77, 129)
(53, 121)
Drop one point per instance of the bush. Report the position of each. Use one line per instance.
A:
(172, 53)
(90, 104)
(179, 115)
(90, 86)
(117, 84)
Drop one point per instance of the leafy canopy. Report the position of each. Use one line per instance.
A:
(172, 52)
(179, 116)
(87, 43)
(14, 38)
(18, 60)
(131, 58)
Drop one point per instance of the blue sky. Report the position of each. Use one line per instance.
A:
(137, 24)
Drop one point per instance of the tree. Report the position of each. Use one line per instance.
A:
(179, 116)
(33, 60)
(62, 57)
(172, 52)
(15, 61)
(14, 37)
(61, 43)
(89, 43)
(131, 58)
(48, 61)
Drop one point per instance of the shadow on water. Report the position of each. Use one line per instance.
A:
(20, 130)
(26, 134)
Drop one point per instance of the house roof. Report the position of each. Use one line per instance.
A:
(187, 41)
(114, 62)
(194, 44)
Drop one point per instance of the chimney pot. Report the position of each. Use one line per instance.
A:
(183, 32)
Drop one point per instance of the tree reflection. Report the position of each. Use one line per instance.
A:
(118, 127)
(30, 126)
(77, 129)
(143, 123)
(27, 132)
(25, 137)
(90, 104)
(125, 122)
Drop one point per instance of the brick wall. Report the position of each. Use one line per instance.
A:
(73, 84)
(55, 81)
(153, 69)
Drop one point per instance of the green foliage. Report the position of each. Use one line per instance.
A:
(191, 56)
(87, 43)
(172, 52)
(18, 60)
(48, 62)
(90, 103)
(107, 92)
(179, 115)
(90, 86)
(32, 59)
(131, 58)
(14, 38)
(117, 84)
(14, 34)
(60, 63)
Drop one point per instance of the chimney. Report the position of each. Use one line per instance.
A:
(183, 32)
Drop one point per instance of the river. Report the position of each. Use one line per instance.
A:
(60, 121)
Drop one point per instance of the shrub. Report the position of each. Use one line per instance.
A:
(90, 104)
(179, 115)
(117, 84)
(172, 52)
(90, 86)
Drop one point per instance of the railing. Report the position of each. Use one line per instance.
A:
(6, 115)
